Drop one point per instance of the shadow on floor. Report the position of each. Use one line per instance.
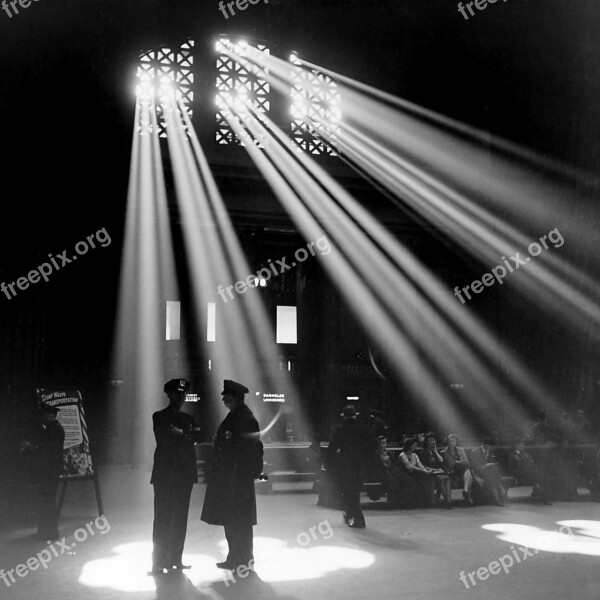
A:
(176, 586)
(251, 588)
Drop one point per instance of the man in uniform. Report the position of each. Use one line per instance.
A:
(237, 461)
(173, 476)
(348, 450)
(46, 445)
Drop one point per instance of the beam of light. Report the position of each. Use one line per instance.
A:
(387, 260)
(492, 208)
(415, 182)
(357, 287)
(125, 570)
(409, 164)
(215, 259)
(147, 281)
(565, 539)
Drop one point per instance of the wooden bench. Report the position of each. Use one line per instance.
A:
(266, 487)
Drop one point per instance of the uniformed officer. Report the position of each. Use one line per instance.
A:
(46, 445)
(173, 476)
(348, 450)
(237, 460)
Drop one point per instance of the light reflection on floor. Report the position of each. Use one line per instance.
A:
(569, 537)
(126, 570)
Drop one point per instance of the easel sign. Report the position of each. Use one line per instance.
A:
(77, 454)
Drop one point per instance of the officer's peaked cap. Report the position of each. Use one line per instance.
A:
(233, 387)
(176, 385)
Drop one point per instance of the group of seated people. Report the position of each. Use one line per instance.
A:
(426, 477)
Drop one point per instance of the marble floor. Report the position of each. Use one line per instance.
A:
(521, 551)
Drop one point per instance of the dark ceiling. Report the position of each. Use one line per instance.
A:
(527, 70)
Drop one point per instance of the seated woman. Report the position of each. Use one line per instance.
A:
(401, 488)
(485, 466)
(431, 459)
(523, 468)
(456, 464)
(423, 476)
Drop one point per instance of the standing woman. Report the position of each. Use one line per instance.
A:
(236, 462)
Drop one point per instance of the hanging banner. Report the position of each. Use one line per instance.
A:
(71, 415)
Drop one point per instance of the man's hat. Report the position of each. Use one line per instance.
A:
(349, 411)
(233, 387)
(176, 385)
(47, 408)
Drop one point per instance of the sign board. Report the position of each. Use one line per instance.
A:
(71, 415)
(273, 397)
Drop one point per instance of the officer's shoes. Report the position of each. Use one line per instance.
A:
(226, 565)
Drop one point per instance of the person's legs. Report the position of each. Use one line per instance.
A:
(467, 486)
(160, 530)
(231, 545)
(241, 544)
(495, 482)
(447, 491)
(467, 481)
(180, 504)
(394, 494)
(426, 488)
(350, 487)
(359, 518)
(47, 510)
(244, 534)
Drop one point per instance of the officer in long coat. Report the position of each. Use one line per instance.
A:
(173, 476)
(46, 447)
(237, 460)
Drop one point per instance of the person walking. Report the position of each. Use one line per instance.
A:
(349, 448)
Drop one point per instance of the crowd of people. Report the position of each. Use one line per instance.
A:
(419, 474)
(551, 459)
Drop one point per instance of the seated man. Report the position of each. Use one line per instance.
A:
(484, 464)
(562, 470)
(523, 468)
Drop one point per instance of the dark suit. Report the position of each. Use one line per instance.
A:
(173, 476)
(349, 448)
(485, 466)
(48, 442)
(230, 498)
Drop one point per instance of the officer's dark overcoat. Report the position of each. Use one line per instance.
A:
(230, 496)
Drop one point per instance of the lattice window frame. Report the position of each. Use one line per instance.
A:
(162, 72)
(233, 76)
(314, 94)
